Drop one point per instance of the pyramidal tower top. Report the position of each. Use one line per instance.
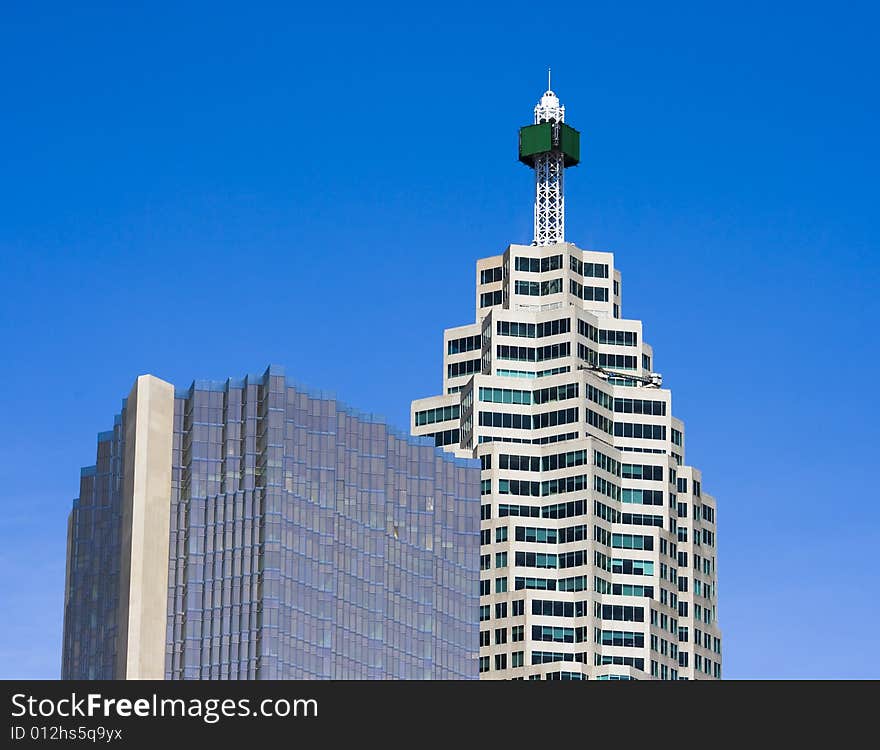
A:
(549, 146)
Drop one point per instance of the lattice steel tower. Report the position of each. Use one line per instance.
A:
(548, 147)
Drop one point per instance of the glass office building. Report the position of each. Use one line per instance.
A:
(250, 529)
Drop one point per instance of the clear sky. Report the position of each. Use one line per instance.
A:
(199, 192)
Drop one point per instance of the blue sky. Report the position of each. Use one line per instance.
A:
(197, 192)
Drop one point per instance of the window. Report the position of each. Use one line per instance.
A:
(538, 265)
(642, 471)
(618, 338)
(500, 661)
(445, 437)
(533, 354)
(622, 612)
(632, 541)
(558, 635)
(500, 585)
(617, 361)
(466, 344)
(501, 534)
(640, 406)
(488, 275)
(642, 497)
(488, 299)
(642, 431)
(458, 369)
(484, 638)
(588, 293)
(621, 638)
(538, 289)
(440, 414)
(536, 560)
(597, 270)
(642, 519)
(632, 567)
(484, 664)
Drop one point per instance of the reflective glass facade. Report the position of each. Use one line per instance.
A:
(306, 541)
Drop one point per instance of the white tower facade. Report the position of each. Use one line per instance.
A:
(598, 555)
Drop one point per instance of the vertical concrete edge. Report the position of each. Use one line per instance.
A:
(146, 503)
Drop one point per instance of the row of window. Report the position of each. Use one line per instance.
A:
(457, 369)
(601, 586)
(606, 488)
(488, 299)
(617, 361)
(632, 567)
(632, 541)
(588, 331)
(643, 431)
(562, 437)
(598, 397)
(618, 338)
(612, 466)
(440, 414)
(488, 275)
(620, 638)
(562, 560)
(640, 406)
(528, 421)
(548, 657)
(552, 608)
(559, 635)
(605, 512)
(538, 396)
(542, 489)
(642, 519)
(533, 354)
(599, 421)
(570, 509)
(624, 661)
(529, 374)
(619, 612)
(533, 330)
(538, 288)
(575, 583)
(589, 293)
(547, 536)
(537, 265)
(642, 471)
(585, 354)
(445, 437)
(542, 463)
(465, 344)
(597, 270)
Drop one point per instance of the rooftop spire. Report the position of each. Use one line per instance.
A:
(548, 147)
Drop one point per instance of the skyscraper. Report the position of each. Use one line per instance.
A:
(250, 529)
(598, 544)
